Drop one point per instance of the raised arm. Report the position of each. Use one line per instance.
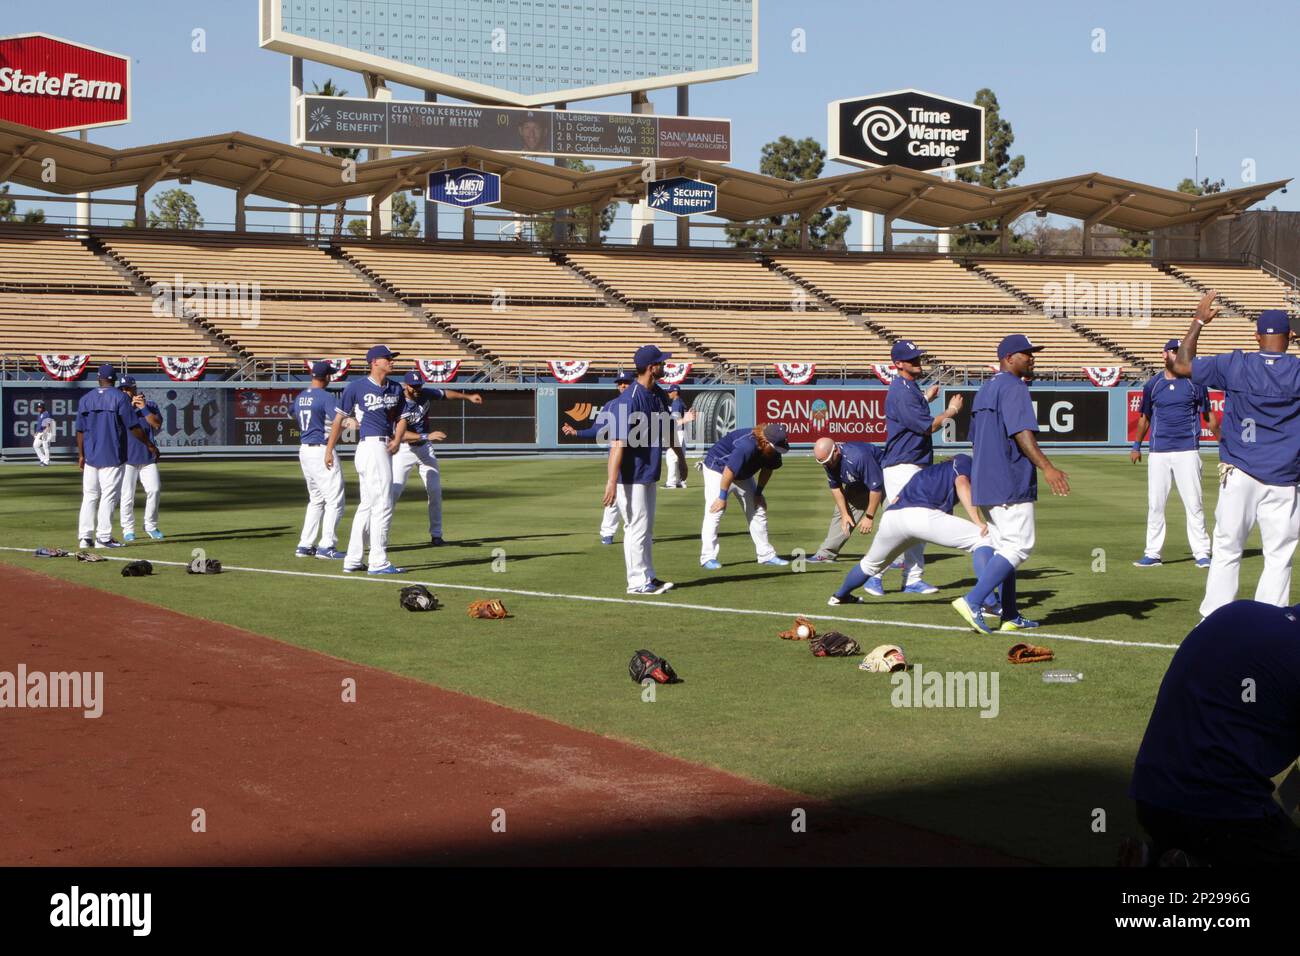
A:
(1205, 314)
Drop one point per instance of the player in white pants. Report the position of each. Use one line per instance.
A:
(43, 433)
(314, 411)
(141, 466)
(677, 454)
(741, 463)
(105, 423)
(599, 429)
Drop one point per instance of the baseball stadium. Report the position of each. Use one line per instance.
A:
(324, 644)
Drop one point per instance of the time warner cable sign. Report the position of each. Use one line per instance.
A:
(907, 128)
(57, 85)
(464, 187)
(681, 196)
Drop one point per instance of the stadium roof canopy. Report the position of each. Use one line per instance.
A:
(250, 165)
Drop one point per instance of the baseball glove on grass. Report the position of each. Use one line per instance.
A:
(884, 659)
(646, 665)
(209, 566)
(51, 553)
(416, 597)
(487, 610)
(1029, 654)
(137, 569)
(802, 630)
(833, 644)
(90, 556)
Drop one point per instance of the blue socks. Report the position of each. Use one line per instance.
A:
(996, 571)
(852, 581)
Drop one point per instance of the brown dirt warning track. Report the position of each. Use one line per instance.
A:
(255, 733)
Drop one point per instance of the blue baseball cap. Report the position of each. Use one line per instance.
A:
(673, 387)
(128, 381)
(1172, 345)
(323, 370)
(904, 351)
(778, 436)
(1273, 322)
(413, 378)
(648, 355)
(625, 377)
(107, 373)
(381, 351)
(1016, 343)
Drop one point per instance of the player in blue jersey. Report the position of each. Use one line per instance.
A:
(416, 450)
(1173, 408)
(314, 411)
(141, 465)
(599, 429)
(857, 486)
(42, 433)
(741, 463)
(105, 423)
(375, 404)
(677, 454)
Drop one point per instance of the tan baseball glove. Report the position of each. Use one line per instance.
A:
(884, 659)
(1029, 654)
(802, 630)
(487, 610)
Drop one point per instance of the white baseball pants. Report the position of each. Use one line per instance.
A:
(41, 444)
(636, 506)
(149, 477)
(609, 519)
(1012, 527)
(99, 491)
(755, 517)
(375, 510)
(896, 476)
(901, 528)
(422, 457)
(325, 498)
(676, 466)
(1243, 503)
(1182, 468)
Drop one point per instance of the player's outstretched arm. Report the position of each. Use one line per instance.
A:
(464, 396)
(1206, 312)
(1059, 480)
(954, 406)
(962, 486)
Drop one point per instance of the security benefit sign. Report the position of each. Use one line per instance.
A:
(844, 414)
(1135, 412)
(1063, 415)
(682, 197)
(464, 187)
(907, 128)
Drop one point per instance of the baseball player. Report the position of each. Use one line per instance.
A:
(922, 512)
(141, 465)
(1004, 481)
(676, 455)
(1173, 408)
(314, 410)
(42, 433)
(600, 429)
(416, 449)
(376, 405)
(909, 446)
(105, 422)
(741, 462)
(1259, 454)
(857, 486)
(637, 439)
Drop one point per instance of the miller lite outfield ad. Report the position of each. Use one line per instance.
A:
(844, 414)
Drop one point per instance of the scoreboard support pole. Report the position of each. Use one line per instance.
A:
(643, 217)
(684, 223)
(559, 225)
(430, 208)
(295, 134)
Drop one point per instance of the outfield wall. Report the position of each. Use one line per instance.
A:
(229, 418)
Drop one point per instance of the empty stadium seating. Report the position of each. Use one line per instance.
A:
(695, 280)
(1074, 287)
(49, 261)
(1244, 288)
(971, 341)
(747, 338)
(887, 284)
(1145, 340)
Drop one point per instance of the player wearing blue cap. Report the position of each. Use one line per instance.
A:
(908, 445)
(416, 450)
(1173, 408)
(376, 405)
(677, 455)
(105, 423)
(741, 463)
(857, 487)
(1004, 481)
(1259, 454)
(599, 429)
(141, 465)
(638, 433)
(314, 411)
(42, 433)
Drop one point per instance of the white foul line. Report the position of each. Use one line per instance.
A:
(649, 602)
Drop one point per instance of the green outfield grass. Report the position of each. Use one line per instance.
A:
(1026, 782)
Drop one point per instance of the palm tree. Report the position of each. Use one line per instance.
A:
(339, 152)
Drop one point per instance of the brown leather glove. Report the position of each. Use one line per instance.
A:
(794, 634)
(1029, 654)
(487, 610)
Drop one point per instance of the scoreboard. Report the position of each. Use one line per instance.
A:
(262, 418)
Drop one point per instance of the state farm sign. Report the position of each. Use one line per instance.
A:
(56, 85)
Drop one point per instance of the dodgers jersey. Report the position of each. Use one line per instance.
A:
(416, 413)
(907, 423)
(314, 410)
(935, 486)
(105, 417)
(678, 408)
(1264, 389)
(859, 466)
(1174, 407)
(602, 420)
(42, 422)
(1000, 473)
(633, 419)
(739, 451)
(137, 452)
(375, 407)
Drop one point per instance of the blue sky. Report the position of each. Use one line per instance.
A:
(1231, 70)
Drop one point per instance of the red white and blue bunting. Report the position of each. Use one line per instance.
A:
(1103, 376)
(675, 372)
(437, 371)
(183, 368)
(64, 368)
(885, 371)
(340, 365)
(568, 371)
(796, 373)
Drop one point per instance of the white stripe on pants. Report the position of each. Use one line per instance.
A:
(1244, 502)
(636, 505)
(1012, 527)
(901, 528)
(1182, 468)
(325, 498)
(896, 476)
(423, 458)
(375, 510)
(99, 490)
(755, 517)
(151, 480)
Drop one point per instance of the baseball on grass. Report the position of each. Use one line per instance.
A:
(803, 631)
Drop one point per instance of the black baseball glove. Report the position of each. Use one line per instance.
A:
(208, 566)
(417, 597)
(646, 665)
(137, 569)
(833, 644)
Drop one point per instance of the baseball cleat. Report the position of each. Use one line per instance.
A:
(1018, 623)
(651, 587)
(920, 587)
(874, 587)
(711, 565)
(836, 600)
(436, 541)
(1202, 563)
(129, 537)
(896, 566)
(348, 570)
(776, 561)
(329, 554)
(973, 618)
(110, 543)
(85, 544)
(661, 586)
(389, 569)
(606, 539)
(822, 559)
(304, 552)
(156, 534)
(1146, 562)
(993, 606)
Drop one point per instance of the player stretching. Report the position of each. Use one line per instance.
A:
(909, 447)
(1004, 481)
(43, 432)
(105, 422)
(600, 428)
(857, 487)
(417, 446)
(743, 462)
(314, 411)
(1259, 454)
(1174, 407)
(376, 404)
(142, 466)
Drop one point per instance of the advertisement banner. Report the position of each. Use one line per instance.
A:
(1134, 406)
(464, 187)
(844, 414)
(715, 413)
(56, 85)
(1063, 415)
(907, 128)
(192, 417)
(261, 417)
(682, 196)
